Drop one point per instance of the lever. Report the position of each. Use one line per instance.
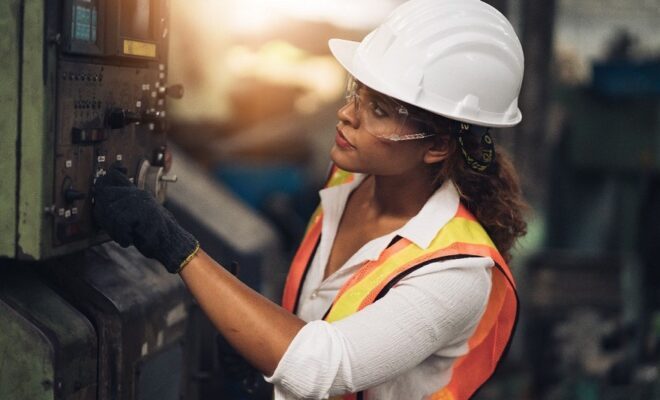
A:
(118, 118)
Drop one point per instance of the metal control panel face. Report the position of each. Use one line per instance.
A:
(107, 114)
(89, 87)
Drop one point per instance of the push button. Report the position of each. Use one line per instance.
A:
(82, 136)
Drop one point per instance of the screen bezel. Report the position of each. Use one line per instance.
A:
(116, 38)
(77, 46)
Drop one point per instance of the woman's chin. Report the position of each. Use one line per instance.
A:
(342, 160)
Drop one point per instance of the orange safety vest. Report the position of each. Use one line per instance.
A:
(462, 236)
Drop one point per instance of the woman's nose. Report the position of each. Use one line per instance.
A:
(347, 114)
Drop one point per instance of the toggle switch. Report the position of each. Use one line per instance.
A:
(71, 195)
(173, 91)
(118, 118)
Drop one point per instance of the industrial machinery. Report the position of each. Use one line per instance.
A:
(84, 85)
(100, 324)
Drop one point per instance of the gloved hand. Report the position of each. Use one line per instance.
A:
(133, 217)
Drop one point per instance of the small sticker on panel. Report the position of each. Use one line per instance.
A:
(60, 212)
(119, 157)
(67, 213)
(74, 211)
(68, 163)
(176, 315)
(100, 159)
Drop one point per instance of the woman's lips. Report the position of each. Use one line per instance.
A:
(341, 140)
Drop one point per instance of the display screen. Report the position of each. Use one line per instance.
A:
(84, 22)
(125, 28)
(136, 19)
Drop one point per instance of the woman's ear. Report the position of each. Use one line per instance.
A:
(438, 151)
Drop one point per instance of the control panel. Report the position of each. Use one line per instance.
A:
(86, 86)
(107, 115)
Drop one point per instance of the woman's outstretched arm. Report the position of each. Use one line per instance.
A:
(257, 328)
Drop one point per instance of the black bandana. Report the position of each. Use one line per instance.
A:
(480, 159)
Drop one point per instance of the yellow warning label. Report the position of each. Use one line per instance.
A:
(136, 48)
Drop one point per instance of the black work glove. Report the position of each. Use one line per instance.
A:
(133, 217)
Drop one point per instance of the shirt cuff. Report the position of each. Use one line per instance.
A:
(311, 362)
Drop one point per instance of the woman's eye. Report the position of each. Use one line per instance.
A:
(378, 109)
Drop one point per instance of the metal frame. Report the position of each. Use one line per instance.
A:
(10, 19)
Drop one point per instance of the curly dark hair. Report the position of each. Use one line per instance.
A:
(493, 195)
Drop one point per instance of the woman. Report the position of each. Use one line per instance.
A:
(400, 289)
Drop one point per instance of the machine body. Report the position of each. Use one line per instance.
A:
(84, 86)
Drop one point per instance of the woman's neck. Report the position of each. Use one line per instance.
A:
(400, 195)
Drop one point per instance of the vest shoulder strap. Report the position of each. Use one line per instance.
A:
(305, 252)
(462, 236)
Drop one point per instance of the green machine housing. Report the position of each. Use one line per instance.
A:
(84, 85)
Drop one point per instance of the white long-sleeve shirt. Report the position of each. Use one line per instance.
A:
(403, 345)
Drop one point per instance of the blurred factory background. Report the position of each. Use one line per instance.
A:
(261, 96)
(251, 139)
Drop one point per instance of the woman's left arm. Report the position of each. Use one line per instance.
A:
(257, 328)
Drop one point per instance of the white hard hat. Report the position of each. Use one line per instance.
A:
(457, 58)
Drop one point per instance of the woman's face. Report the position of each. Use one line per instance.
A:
(361, 143)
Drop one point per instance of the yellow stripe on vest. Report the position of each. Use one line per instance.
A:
(457, 230)
(443, 394)
(339, 177)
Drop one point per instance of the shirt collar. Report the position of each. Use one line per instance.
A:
(438, 210)
(420, 229)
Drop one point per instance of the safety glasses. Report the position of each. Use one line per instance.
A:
(380, 115)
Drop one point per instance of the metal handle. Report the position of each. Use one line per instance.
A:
(169, 178)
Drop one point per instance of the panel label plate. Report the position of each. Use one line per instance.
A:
(137, 48)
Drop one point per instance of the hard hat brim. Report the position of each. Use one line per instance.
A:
(344, 52)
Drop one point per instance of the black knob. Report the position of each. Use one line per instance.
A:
(71, 195)
(118, 118)
(175, 91)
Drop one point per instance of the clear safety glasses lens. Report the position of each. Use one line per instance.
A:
(380, 115)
